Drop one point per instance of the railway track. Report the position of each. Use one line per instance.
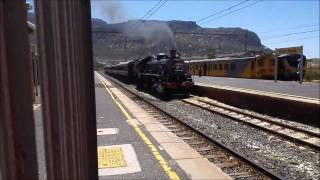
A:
(292, 133)
(229, 160)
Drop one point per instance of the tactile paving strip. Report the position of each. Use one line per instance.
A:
(111, 157)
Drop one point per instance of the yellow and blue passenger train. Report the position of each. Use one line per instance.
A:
(257, 67)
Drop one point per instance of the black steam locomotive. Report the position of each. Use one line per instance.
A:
(162, 73)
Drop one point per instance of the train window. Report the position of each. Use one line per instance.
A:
(226, 67)
(220, 66)
(260, 63)
(215, 67)
(232, 67)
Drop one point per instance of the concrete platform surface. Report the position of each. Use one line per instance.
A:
(110, 116)
(306, 89)
(156, 147)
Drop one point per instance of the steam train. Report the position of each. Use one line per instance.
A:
(162, 74)
(256, 67)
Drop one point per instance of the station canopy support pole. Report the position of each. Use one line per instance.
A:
(67, 88)
(301, 66)
(276, 67)
(18, 157)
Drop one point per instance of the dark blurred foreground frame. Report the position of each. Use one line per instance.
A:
(67, 88)
(18, 158)
(67, 91)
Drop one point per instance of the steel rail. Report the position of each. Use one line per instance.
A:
(293, 139)
(240, 156)
(264, 119)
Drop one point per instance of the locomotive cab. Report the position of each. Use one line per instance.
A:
(288, 67)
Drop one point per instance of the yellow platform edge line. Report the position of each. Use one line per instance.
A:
(165, 166)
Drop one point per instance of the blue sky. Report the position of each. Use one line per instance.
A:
(272, 20)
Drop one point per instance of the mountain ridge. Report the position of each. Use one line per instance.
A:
(139, 38)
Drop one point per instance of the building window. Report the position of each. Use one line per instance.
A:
(215, 67)
(260, 63)
(226, 67)
(232, 67)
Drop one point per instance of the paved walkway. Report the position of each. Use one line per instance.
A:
(119, 133)
(161, 154)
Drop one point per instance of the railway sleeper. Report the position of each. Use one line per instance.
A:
(228, 164)
(242, 176)
(206, 148)
(188, 137)
(196, 142)
(215, 156)
(182, 132)
(167, 123)
(173, 126)
(176, 130)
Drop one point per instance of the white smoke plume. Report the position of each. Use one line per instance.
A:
(113, 11)
(153, 32)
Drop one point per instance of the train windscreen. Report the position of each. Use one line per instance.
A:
(293, 60)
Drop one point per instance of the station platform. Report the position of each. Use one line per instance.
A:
(290, 90)
(134, 145)
(39, 138)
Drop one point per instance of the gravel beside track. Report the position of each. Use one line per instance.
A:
(275, 119)
(289, 160)
(280, 129)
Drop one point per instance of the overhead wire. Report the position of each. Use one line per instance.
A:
(290, 28)
(290, 40)
(229, 8)
(150, 13)
(252, 4)
(151, 9)
(157, 9)
(290, 34)
(137, 22)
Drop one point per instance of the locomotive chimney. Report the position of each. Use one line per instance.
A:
(173, 53)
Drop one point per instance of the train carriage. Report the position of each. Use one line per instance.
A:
(258, 67)
(123, 70)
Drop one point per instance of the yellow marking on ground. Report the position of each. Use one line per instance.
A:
(168, 170)
(110, 157)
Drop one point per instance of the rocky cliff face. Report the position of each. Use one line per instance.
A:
(138, 38)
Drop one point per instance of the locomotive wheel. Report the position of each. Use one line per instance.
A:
(158, 88)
